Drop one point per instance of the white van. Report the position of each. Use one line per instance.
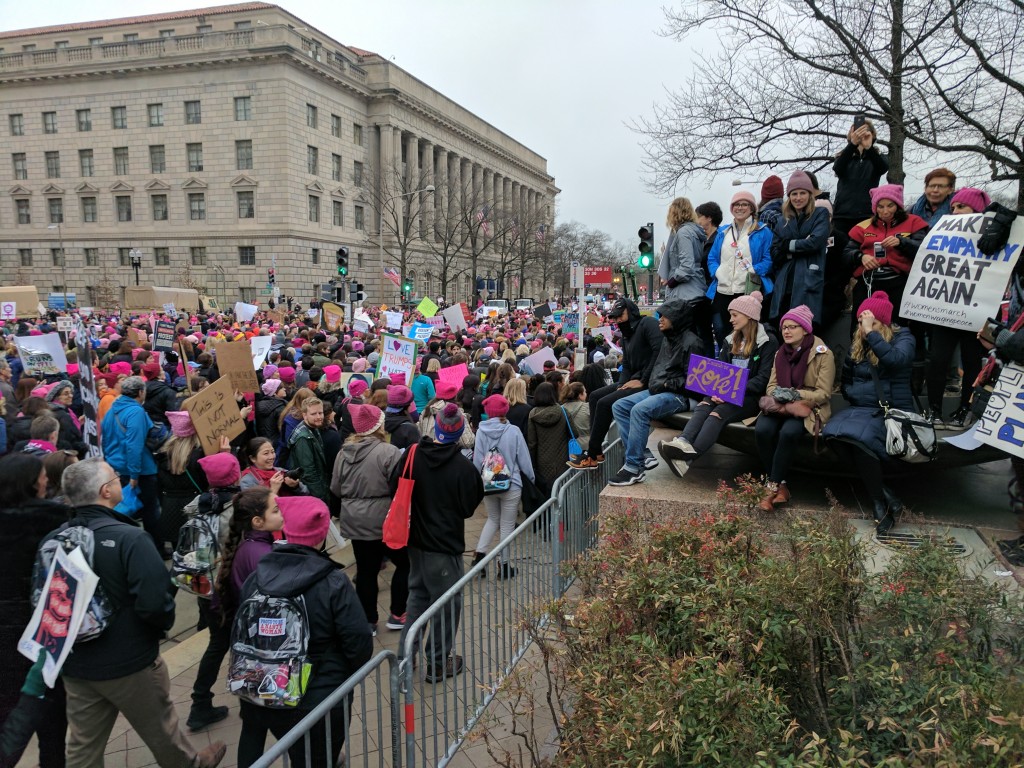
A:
(499, 304)
(524, 304)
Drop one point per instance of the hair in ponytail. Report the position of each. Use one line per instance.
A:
(247, 504)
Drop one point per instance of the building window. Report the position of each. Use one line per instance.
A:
(359, 260)
(357, 173)
(55, 205)
(339, 213)
(131, 37)
(246, 205)
(57, 257)
(124, 207)
(195, 157)
(198, 256)
(357, 134)
(202, 29)
(24, 211)
(120, 161)
(49, 122)
(165, 33)
(243, 155)
(157, 163)
(243, 108)
(336, 167)
(60, 44)
(17, 125)
(247, 255)
(28, 47)
(92, 257)
(119, 117)
(193, 113)
(159, 206)
(197, 206)
(312, 159)
(85, 162)
(124, 257)
(52, 165)
(20, 165)
(336, 126)
(89, 210)
(243, 25)
(95, 41)
(358, 215)
(311, 116)
(314, 208)
(316, 255)
(83, 119)
(25, 254)
(156, 115)
(162, 257)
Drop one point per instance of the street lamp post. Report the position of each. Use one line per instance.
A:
(63, 262)
(136, 261)
(429, 189)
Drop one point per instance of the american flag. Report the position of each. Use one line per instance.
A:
(540, 233)
(481, 216)
(392, 274)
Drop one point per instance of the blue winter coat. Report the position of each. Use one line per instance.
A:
(920, 208)
(862, 421)
(124, 438)
(798, 253)
(760, 240)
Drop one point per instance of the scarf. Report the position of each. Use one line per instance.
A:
(263, 475)
(791, 364)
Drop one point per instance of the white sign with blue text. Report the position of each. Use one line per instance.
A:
(1002, 424)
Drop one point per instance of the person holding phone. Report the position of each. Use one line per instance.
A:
(858, 168)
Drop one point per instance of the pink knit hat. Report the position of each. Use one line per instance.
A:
(749, 305)
(332, 373)
(892, 192)
(446, 390)
(800, 180)
(800, 315)
(495, 406)
(121, 369)
(269, 370)
(397, 378)
(271, 386)
(287, 375)
(358, 366)
(221, 469)
(743, 196)
(181, 423)
(879, 305)
(306, 520)
(973, 197)
(366, 419)
(356, 387)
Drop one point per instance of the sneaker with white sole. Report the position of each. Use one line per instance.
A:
(625, 477)
(395, 622)
(683, 445)
(650, 462)
(679, 467)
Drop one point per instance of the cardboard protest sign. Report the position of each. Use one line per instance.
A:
(184, 363)
(332, 316)
(245, 312)
(952, 283)
(454, 374)
(393, 320)
(454, 317)
(41, 355)
(427, 308)
(138, 335)
(715, 378)
(348, 378)
(163, 339)
(397, 355)
(214, 413)
(260, 346)
(1002, 424)
(87, 386)
(234, 360)
(535, 362)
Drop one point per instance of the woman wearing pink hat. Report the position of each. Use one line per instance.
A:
(178, 473)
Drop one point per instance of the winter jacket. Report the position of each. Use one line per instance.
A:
(547, 437)
(681, 263)
(267, 414)
(759, 365)
(519, 415)
(669, 372)
(863, 422)
(641, 340)
(422, 391)
(339, 637)
(510, 443)
(361, 479)
(342, 417)
(160, 398)
(307, 451)
(447, 489)
(69, 438)
(134, 578)
(798, 255)
(106, 401)
(11, 404)
(468, 439)
(291, 421)
(911, 232)
(253, 547)
(730, 277)
(20, 431)
(770, 213)
(923, 209)
(858, 173)
(818, 382)
(124, 438)
(402, 429)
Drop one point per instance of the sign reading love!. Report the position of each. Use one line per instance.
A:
(717, 379)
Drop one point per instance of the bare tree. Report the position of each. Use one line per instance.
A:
(483, 224)
(448, 243)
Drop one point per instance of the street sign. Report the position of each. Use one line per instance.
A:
(577, 276)
(266, 291)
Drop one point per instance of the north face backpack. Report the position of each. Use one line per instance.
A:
(270, 664)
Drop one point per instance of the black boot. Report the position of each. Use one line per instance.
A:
(506, 572)
(894, 504)
(883, 517)
(476, 559)
(203, 715)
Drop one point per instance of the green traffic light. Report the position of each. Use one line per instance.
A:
(645, 261)
(342, 271)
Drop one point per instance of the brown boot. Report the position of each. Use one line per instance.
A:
(210, 757)
(767, 503)
(783, 495)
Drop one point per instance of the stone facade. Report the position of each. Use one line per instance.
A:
(264, 141)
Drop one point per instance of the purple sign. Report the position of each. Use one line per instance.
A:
(717, 379)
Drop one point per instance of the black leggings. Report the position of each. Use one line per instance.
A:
(867, 464)
(216, 649)
(944, 341)
(257, 721)
(703, 429)
(601, 401)
(777, 438)
(369, 556)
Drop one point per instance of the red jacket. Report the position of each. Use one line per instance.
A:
(863, 236)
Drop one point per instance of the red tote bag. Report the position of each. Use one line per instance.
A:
(396, 524)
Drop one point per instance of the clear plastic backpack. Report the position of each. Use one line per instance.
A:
(196, 559)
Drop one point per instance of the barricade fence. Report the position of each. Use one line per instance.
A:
(481, 619)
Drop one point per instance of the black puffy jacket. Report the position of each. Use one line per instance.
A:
(669, 371)
(160, 398)
(641, 340)
(268, 413)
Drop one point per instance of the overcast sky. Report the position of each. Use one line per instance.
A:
(564, 77)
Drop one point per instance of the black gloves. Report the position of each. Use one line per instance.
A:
(998, 230)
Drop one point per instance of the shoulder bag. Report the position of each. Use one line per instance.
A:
(574, 444)
(396, 524)
(909, 436)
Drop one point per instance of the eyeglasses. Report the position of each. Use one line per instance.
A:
(115, 478)
(790, 328)
(938, 186)
(742, 204)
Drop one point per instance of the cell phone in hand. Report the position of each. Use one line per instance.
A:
(879, 251)
(991, 331)
(859, 120)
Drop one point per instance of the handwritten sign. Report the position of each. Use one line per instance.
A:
(41, 355)
(454, 374)
(427, 308)
(571, 323)
(455, 317)
(717, 379)
(214, 413)
(393, 320)
(360, 326)
(234, 360)
(163, 339)
(397, 355)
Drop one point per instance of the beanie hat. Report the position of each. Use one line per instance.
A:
(221, 469)
(495, 406)
(399, 396)
(821, 202)
(449, 424)
(72, 369)
(269, 370)
(744, 197)
(892, 192)
(800, 315)
(270, 387)
(446, 390)
(332, 373)
(879, 305)
(772, 188)
(56, 389)
(151, 371)
(800, 180)
(181, 423)
(748, 305)
(397, 377)
(356, 387)
(366, 419)
(972, 196)
(358, 366)
(357, 346)
(121, 369)
(287, 375)
(306, 520)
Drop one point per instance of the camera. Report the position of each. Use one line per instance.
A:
(295, 474)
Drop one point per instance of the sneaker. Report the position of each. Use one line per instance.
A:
(937, 420)
(683, 445)
(204, 717)
(650, 462)
(453, 665)
(395, 622)
(585, 462)
(210, 757)
(679, 467)
(625, 477)
(959, 419)
(373, 629)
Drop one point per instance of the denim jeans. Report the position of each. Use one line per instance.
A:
(633, 414)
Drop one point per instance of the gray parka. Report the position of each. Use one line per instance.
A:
(360, 480)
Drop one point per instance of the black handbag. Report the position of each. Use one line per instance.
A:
(535, 494)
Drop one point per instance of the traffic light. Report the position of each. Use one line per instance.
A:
(271, 277)
(358, 295)
(407, 286)
(646, 258)
(341, 257)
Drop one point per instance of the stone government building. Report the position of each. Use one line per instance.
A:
(215, 139)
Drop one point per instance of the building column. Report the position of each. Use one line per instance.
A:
(413, 204)
(427, 221)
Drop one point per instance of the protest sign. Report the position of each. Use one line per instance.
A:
(361, 315)
(952, 283)
(552, 305)
(360, 326)
(8, 310)
(454, 374)
(427, 308)
(535, 362)
(348, 378)
(397, 355)
(170, 311)
(393, 320)
(593, 321)
(138, 335)
(163, 339)
(41, 355)
(311, 313)
(421, 332)
(571, 323)
(58, 616)
(275, 317)
(214, 413)
(542, 311)
(454, 317)
(717, 379)
(234, 360)
(260, 346)
(65, 324)
(185, 364)
(87, 387)
(332, 316)
(245, 312)
(437, 321)
(558, 316)
(1002, 423)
